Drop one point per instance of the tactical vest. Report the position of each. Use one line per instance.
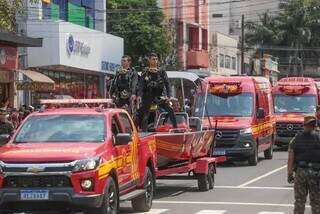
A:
(307, 148)
(123, 85)
(154, 81)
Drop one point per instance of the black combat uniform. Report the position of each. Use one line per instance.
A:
(123, 86)
(306, 149)
(151, 88)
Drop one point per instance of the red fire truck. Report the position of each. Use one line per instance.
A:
(93, 158)
(294, 98)
(240, 110)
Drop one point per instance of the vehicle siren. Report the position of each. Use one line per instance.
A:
(294, 88)
(225, 88)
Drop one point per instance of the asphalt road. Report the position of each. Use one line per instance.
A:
(239, 189)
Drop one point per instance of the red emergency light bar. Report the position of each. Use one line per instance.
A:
(77, 101)
(293, 84)
(294, 89)
(212, 82)
(230, 87)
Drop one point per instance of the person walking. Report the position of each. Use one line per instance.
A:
(304, 167)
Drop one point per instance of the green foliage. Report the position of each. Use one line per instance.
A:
(140, 23)
(8, 11)
(297, 26)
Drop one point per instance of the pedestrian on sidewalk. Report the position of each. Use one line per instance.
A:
(304, 167)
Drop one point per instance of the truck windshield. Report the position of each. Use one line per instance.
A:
(236, 105)
(62, 128)
(296, 104)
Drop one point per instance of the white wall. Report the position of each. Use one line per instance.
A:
(232, 13)
(227, 46)
(104, 47)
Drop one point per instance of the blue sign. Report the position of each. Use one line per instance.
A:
(70, 44)
(77, 47)
(109, 66)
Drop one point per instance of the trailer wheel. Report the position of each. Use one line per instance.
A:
(110, 203)
(143, 203)
(203, 182)
(211, 173)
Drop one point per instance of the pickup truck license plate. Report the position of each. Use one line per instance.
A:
(219, 152)
(34, 195)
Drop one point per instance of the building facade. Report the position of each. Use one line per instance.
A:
(223, 54)
(225, 16)
(191, 21)
(77, 52)
(9, 65)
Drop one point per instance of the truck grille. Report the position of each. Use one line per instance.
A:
(227, 135)
(37, 181)
(289, 129)
(226, 138)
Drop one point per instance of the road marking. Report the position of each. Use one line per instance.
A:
(262, 176)
(225, 203)
(177, 193)
(253, 187)
(264, 212)
(156, 211)
(211, 212)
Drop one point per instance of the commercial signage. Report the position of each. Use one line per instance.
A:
(34, 86)
(77, 47)
(109, 66)
(8, 57)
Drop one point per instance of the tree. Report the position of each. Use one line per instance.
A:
(296, 28)
(141, 24)
(8, 11)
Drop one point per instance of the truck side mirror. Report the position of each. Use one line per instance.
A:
(261, 113)
(4, 138)
(123, 139)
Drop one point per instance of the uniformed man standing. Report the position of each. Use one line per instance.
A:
(304, 167)
(6, 128)
(123, 88)
(153, 82)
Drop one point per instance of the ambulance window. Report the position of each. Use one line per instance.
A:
(126, 123)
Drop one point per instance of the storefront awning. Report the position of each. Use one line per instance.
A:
(38, 81)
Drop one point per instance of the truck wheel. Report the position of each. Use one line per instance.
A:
(268, 154)
(203, 182)
(143, 203)
(253, 159)
(110, 203)
(211, 173)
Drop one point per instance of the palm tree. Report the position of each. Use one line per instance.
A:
(296, 27)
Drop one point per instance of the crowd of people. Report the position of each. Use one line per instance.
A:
(11, 118)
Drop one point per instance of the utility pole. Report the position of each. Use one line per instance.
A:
(242, 45)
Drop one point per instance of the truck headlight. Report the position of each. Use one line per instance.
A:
(246, 131)
(86, 164)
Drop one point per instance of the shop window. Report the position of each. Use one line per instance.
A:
(234, 63)
(228, 62)
(221, 59)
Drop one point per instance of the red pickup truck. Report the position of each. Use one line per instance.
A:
(87, 158)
